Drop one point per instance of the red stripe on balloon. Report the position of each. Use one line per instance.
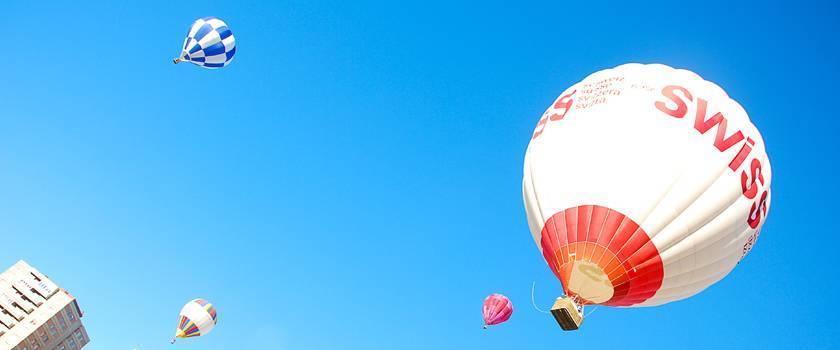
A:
(612, 241)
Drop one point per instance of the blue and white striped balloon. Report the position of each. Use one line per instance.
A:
(209, 44)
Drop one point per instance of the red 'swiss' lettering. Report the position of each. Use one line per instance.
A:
(670, 93)
(540, 127)
(748, 187)
(563, 104)
(742, 155)
(750, 180)
(702, 125)
(677, 102)
(561, 107)
(758, 210)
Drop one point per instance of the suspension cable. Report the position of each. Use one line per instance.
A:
(534, 303)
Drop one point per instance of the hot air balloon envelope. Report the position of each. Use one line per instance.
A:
(197, 318)
(497, 308)
(209, 44)
(643, 185)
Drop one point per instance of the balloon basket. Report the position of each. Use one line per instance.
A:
(567, 313)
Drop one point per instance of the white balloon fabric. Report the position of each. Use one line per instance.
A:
(197, 318)
(644, 184)
(209, 44)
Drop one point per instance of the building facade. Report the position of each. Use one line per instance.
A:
(36, 314)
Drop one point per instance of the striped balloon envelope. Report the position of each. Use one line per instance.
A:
(209, 44)
(643, 185)
(496, 309)
(197, 318)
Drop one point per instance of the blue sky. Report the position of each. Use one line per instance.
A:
(352, 180)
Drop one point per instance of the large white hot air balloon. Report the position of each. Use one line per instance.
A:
(643, 185)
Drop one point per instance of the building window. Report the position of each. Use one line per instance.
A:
(70, 315)
(44, 337)
(62, 348)
(72, 343)
(62, 323)
(34, 343)
(53, 331)
(79, 336)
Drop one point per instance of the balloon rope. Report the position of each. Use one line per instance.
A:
(593, 310)
(533, 285)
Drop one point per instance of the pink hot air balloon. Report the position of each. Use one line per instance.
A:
(497, 309)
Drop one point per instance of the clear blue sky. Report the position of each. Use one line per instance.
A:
(352, 180)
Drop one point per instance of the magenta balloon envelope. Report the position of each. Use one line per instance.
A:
(497, 309)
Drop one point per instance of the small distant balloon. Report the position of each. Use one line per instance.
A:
(209, 44)
(197, 318)
(497, 308)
